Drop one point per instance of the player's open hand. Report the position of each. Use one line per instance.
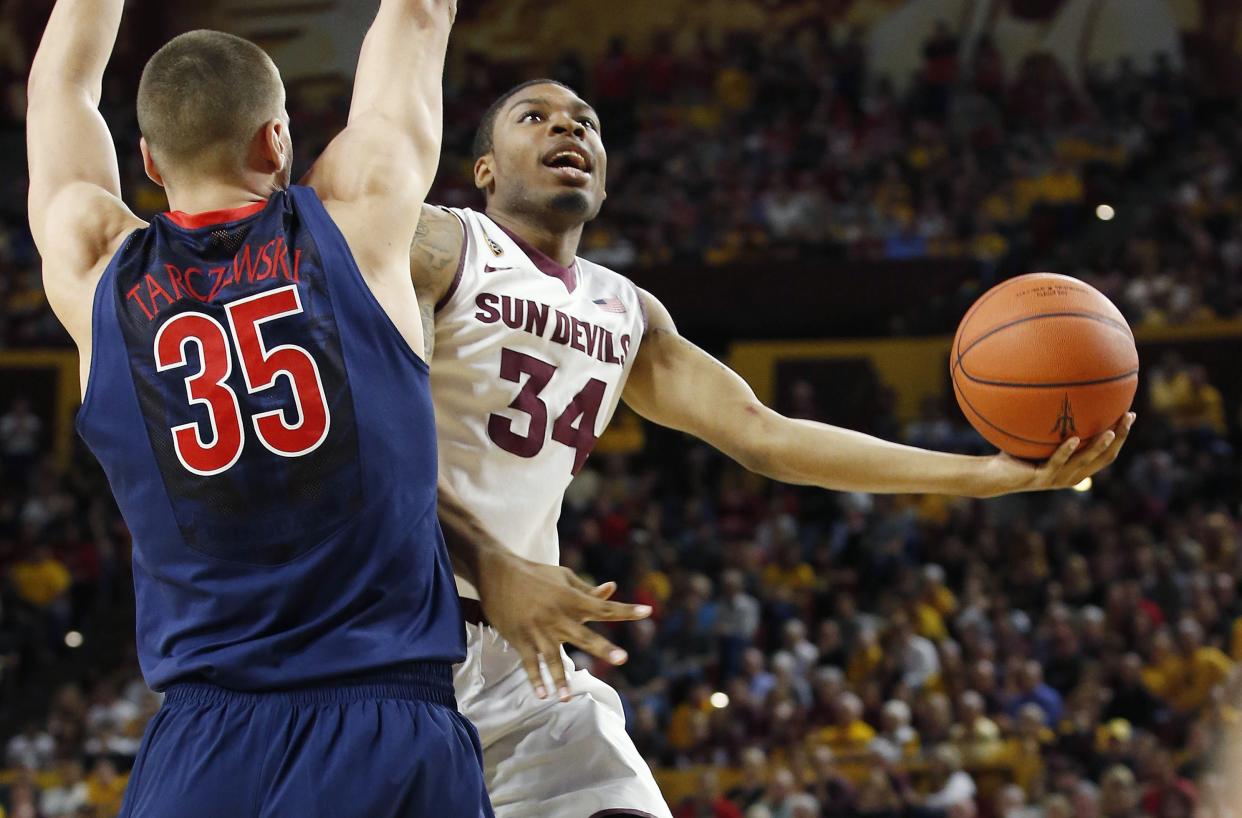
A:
(539, 607)
(1069, 466)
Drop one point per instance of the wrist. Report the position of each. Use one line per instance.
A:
(997, 476)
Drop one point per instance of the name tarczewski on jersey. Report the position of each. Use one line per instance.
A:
(252, 263)
(535, 318)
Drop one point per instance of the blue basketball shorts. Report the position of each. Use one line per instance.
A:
(383, 746)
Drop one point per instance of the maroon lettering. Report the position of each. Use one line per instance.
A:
(536, 318)
(593, 340)
(606, 349)
(625, 349)
(133, 294)
(560, 333)
(512, 311)
(575, 338)
(486, 302)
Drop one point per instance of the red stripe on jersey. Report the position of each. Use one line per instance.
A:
(193, 221)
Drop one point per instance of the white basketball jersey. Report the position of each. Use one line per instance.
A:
(529, 363)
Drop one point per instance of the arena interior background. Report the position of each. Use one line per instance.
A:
(817, 189)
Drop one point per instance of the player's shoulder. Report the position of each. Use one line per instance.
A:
(83, 226)
(438, 252)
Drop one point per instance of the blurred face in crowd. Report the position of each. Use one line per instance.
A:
(1118, 793)
(1057, 806)
(547, 160)
(754, 764)
(782, 785)
(1189, 635)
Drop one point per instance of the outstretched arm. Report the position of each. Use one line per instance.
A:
(386, 157)
(75, 209)
(676, 384)
(374, 176)
(535, 607)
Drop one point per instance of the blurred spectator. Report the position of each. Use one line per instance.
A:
(1119, 793)
(951, 785)
(31, 749)
(707, 802)
(20, 439)
(42, 581)
(1187, 399)
(70, 794)
(105, 788)
(1202, 667)
(1031, 689)
(847, 731)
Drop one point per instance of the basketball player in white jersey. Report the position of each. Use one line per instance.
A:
(533, 348)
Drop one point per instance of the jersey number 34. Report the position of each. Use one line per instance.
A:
(574, 428)
(260, 366)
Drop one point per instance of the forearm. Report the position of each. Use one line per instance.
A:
(76, 45)
(472, 549)
(815, 454)
(401, 66)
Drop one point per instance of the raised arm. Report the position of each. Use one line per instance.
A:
(386, 157)
(75, 209)
(676, 384)
(374, 176)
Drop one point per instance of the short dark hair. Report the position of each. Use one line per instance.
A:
(204, 94)
(487, 126)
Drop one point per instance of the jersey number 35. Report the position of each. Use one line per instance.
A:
(216, 452)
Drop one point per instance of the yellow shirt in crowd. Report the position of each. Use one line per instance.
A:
(40, 583)
(853, 736)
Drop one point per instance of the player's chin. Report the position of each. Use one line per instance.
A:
(572, 202)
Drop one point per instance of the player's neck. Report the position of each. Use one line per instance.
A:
(559, 245)
(209, 195)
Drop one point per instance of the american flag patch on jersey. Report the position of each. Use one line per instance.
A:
(610, 304)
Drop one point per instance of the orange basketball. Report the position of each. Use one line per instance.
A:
(1041, 358)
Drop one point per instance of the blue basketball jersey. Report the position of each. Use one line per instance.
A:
(269, 437)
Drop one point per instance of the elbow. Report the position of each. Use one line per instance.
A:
(755, 458)
(758, 449)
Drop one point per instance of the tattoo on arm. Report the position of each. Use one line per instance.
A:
(434, 258)
(436, 252)
(428, 312)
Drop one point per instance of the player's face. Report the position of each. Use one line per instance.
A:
(547, 156)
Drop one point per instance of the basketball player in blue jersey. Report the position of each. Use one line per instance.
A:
(251, 366)
(534, 347)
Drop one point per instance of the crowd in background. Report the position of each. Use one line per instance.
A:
(851, 655)
(785, 144)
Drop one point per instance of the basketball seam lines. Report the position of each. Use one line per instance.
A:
(1101, 319)
(958, 365)
(1061, 385)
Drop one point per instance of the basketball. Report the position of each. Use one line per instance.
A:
(1041, 358)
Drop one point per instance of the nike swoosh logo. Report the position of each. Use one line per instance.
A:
(487, 268)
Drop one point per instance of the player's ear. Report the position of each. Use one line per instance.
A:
(483, 175)
(148, 162)
(271, 144)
